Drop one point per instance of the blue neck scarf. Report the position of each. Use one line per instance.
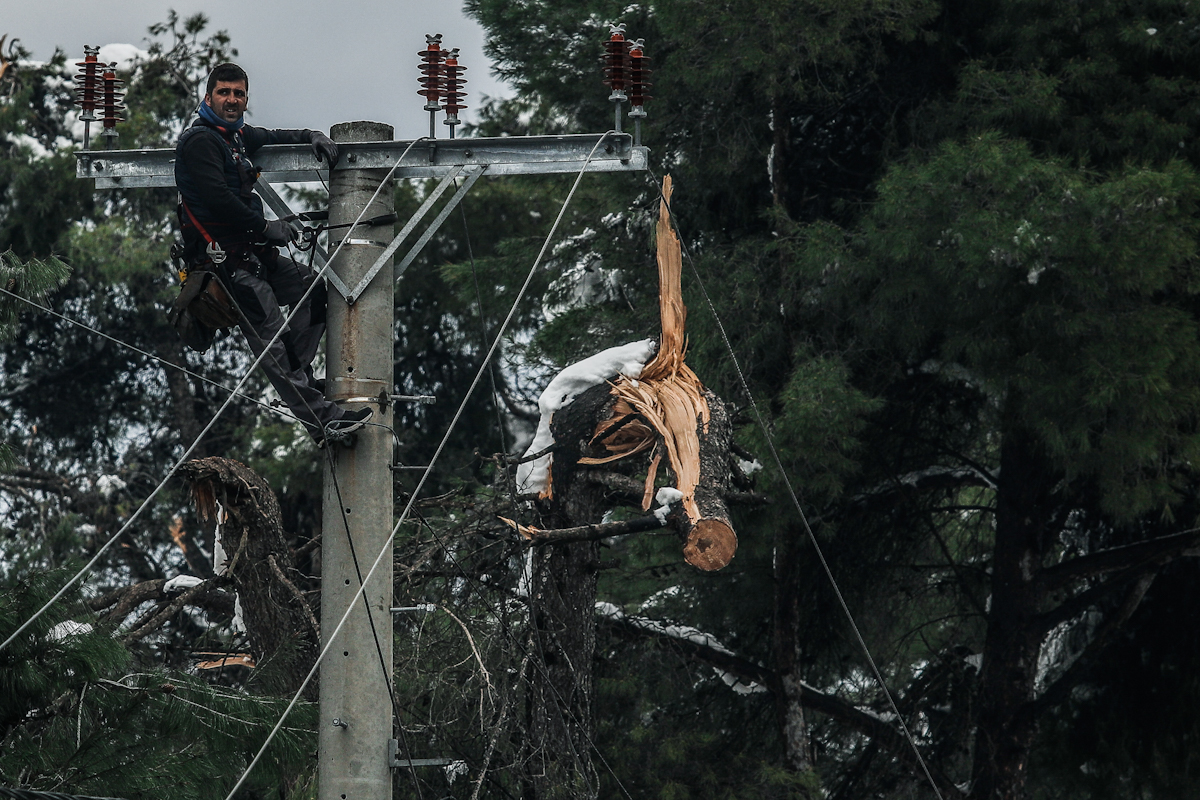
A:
(208, 115)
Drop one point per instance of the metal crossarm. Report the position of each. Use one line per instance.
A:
(505, 155)
(399, 238)
(445, 159)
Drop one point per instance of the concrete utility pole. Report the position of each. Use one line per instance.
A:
(356, 717)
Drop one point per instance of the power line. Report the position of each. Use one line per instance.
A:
(796, 501)
(428, 469)
(30, 794)
(258, 360)
(149, 355)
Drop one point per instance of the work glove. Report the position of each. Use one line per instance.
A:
(323, 148)
(278, 233)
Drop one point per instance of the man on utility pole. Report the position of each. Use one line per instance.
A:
(225, 231)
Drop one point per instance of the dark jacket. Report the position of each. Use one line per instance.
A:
(215, 178)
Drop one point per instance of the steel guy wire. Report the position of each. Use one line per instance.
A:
(145, 353)
(428, 469)
(212, 421)
(796, 501)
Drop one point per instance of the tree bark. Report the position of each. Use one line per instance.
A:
(789, 697)
(280, 624)
(1005, 724)
(562, 604)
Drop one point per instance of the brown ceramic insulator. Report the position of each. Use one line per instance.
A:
(87, 82)
(639, 76)
(452, 92)
(110, 100)
(432, 70)
(616, 62)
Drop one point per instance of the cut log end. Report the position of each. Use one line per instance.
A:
(711, 544)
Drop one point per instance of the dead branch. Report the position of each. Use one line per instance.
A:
(312, 621)
(163, 613)
(747, 499)
(630, 488)
(588, 533)
(1118, 558)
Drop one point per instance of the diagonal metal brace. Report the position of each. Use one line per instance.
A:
(281, 209)
(473, 174)
(399, 238)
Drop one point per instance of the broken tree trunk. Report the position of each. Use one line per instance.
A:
(667, 410)
(281, 625)
(614, 430)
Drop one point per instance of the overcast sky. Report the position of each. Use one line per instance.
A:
(312, 63)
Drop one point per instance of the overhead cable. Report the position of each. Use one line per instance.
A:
(149, 355)
(796, 502)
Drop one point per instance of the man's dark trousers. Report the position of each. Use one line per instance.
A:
(288, 361)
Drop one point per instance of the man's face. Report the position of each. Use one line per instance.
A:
(228, 99)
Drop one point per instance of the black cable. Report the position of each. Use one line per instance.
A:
(432, 461)
(30, 794)
(387, 675)
(149, 355)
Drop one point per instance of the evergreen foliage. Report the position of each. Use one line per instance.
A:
(953, 247)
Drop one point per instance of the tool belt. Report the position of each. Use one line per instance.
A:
(204, 307)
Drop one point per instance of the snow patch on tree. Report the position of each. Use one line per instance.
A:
(626, 359)
(181, 583)
(666, 497)
(69, 628)
(108, 485)
(685, 633)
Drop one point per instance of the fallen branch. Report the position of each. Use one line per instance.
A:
(588, 533)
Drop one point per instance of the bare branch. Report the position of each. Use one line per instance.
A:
(588, 533)
(1139, 555)
(630, 487)
(291, 587)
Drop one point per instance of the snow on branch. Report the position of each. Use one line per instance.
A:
(685, 633)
